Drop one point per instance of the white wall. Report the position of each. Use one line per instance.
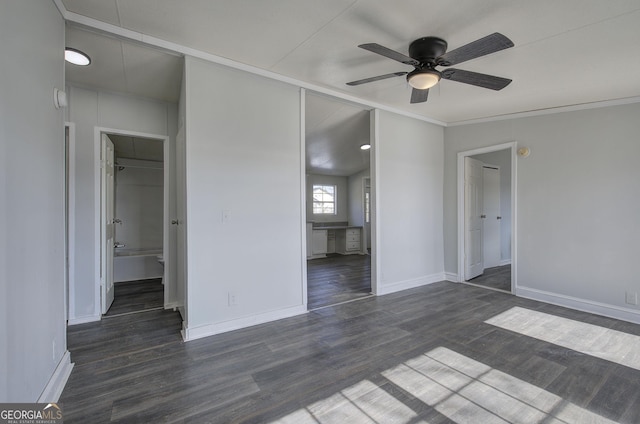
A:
(242, 156)
(342, 187)
(89, 109)
(578, 203)
(502, 159)
(32, 331)
(408, 183)
(139, 195)
(356, 197)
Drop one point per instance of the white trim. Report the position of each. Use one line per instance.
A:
(374, 193)
(549, 111)
(84, 319)
(97, 133)
(452, 277)
(504, 262)
(97, 207)
(174, 48)
(58, 380)
(514, 215)
(71, 219)
(168, 46)
(410, 284)
(303, 195)
(193, 333)
(612, 311)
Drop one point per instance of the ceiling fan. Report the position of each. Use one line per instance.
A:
(428, 52)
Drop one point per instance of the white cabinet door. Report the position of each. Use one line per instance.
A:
(319, 242)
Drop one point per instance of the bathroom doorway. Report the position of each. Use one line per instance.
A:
(134, 229)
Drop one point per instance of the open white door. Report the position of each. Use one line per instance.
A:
(473, 264)
(491, 224)
(107, 158)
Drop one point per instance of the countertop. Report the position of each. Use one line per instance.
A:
(341, 227)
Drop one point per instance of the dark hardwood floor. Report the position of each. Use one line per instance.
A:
(337, 279)
(136, 296)
(424, 355)
(498, 277)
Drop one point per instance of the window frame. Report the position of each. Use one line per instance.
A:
(323, 202)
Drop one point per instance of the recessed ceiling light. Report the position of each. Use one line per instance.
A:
(365, 147)
(76, 57)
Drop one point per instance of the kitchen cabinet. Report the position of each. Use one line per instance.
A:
(319, 242)
(349, 241)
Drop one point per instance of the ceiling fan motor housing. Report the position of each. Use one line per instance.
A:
(427, 49)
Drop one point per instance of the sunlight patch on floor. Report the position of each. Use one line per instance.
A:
(363, 402)
(601, 342)
(468, 391)
(460, 388)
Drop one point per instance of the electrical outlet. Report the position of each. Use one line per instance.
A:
(233, 300)
(631, 298)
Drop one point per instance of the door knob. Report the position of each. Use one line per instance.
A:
(483, 216)
(174, 222)
(117, 221)
(498, 217)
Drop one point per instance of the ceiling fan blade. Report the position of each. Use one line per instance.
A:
(378, 78)
(474, 78)
(419, 96)
(391, 54)
(490, 44)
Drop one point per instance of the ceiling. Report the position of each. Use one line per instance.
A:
(137, 148)
(335, 130)
(566, 53)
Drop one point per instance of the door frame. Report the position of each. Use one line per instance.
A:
(70, 218)
(98, 257)
(513, 147)
(373, 167)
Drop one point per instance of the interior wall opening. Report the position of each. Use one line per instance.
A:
(486, 219)
(338, 201)
(133, 212)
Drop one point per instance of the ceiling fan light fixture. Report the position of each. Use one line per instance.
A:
(423, 79)
(76, 57)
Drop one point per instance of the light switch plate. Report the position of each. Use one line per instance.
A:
(631, 298)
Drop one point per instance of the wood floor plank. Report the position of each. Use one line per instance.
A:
(135, 368)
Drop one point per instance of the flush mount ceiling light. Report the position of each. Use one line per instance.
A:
(423, 79)
(76, 57)
(365, 147)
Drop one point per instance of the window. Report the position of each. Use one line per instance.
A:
(324, 199)
(367, 205)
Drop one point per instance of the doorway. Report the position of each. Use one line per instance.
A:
(338, 203)
(134, 200)
(486, 218)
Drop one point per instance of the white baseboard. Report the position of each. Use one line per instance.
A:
(505, 262)
(84, 320)
(58, 380)
(611, 311)
(193, 333)
(409, 284)
(450, 276)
